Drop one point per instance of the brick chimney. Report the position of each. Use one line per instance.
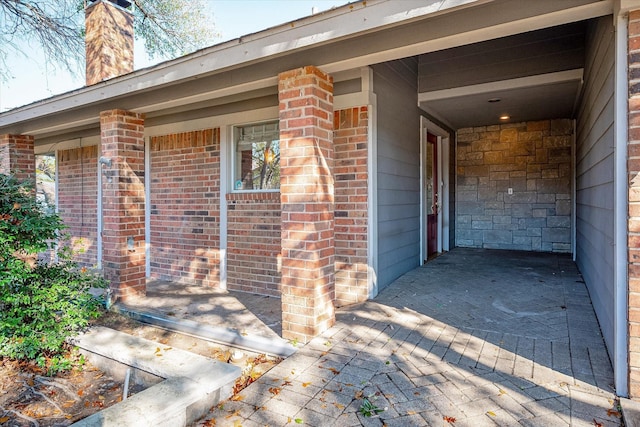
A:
(108, 39)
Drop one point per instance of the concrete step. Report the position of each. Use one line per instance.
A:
(182, 386)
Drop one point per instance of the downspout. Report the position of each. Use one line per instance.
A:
(621, 343)
(147, 206)
(225, 136)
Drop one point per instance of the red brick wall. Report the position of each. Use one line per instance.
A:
(185, 207)
(77, 200)
(17, 156)
(351, 203)
(253, 242)
(633, 166)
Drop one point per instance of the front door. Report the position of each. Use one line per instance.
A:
(432, 196)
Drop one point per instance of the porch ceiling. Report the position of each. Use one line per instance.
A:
(530, 76)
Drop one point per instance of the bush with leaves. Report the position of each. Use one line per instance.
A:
(41, 303)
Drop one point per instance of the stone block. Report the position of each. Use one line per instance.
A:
(563, 207)
(546, 198)
(530, 136)
(561, 127)
(492, 157)
(487, 194)
(521, 197)
(556, 235)
(467, 196)
(531, 184)
(535, 222)
(536, 243)
(519, 185)
(479, 171)
(534, 232)
(509, 226)
(522, 241)
(494, 205)
(556, 141)
(518, 174)
(542, 155)
(561, 247)
(467, 180)
(550, 173)
(539, 213)
(553, 186)
(558, 221)
(509, 135)
(520, 210)
(470, 208)
(482, 225)
(469, 235)
(522, 149)
(496, 176)
(538, 126)
(497, 236)
(481, 145)
(499, 146)
(467, 137)
(501, 219)
(463, 220)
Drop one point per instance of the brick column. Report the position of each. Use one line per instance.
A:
(307, 197)
(633, 167)
(123, 234)
(17, 156)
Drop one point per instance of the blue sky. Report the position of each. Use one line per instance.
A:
(33, 79)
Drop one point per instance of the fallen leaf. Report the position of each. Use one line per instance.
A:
(67, 404)
(237, 397)
(334, 370)
(501, 392)
(596, 424)
(411, 412)
(299, 421)
(166, 348)
(157, 349)
(274, 390)
(4, 419)
(450, 420)
(491, 413)
(389, 396)
(306, 384)
(359, 394)
(209, 423)
(613, 413)
(338, 405)
(80, 392)
(233, 413)
(237, 423)
(285, 383)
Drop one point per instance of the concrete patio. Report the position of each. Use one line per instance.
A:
(480, 336)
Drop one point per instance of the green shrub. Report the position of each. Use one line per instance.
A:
(41, 303)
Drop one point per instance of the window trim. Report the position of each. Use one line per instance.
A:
(234, 157)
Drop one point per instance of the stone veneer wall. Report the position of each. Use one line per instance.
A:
(533, 159)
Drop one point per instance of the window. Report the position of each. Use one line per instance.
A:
(257, 157)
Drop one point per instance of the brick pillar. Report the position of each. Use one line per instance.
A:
(307, 197)
(123, 202)
(17, 156)
(633, 167)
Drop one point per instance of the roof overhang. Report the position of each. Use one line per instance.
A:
(337, 41)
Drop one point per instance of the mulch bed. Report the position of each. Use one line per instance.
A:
(30, 398)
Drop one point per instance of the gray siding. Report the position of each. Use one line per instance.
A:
(398, 142)
(594, 174)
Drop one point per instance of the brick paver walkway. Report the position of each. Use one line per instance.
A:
(474, 338)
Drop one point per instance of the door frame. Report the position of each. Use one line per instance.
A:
(443, 150)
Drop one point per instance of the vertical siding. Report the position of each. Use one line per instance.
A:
(594, 174)
(398, 138)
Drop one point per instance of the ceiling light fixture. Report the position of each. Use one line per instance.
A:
(493, 100)
(505, 117)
